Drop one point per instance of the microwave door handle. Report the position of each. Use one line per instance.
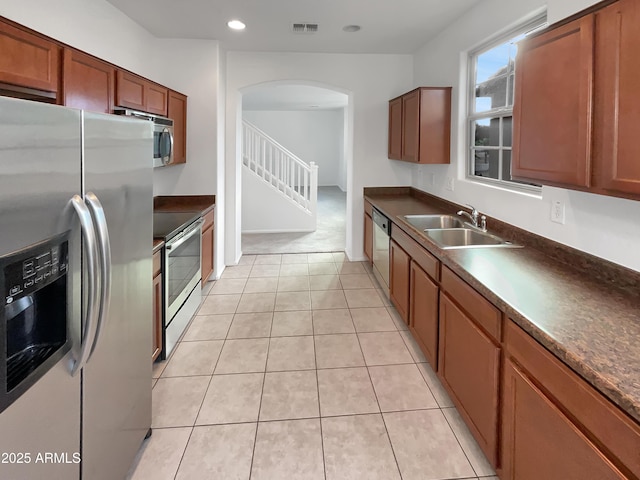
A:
(90, 251)
(166, 156)
(104, 249)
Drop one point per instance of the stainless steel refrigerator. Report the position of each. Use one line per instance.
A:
(76, 206)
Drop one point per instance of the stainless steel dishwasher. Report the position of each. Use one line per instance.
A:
(381, 232)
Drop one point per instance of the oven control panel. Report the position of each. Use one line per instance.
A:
(33, 268)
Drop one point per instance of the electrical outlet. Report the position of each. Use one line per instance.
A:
(450, 183)
(557, 212)
(432, 179)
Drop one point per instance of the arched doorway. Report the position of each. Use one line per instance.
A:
(299, 123)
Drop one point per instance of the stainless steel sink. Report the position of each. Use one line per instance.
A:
(448, 238)
(426, 222)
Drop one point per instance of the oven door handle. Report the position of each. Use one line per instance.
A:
(104, 250)
(90, 251)
(184, 236)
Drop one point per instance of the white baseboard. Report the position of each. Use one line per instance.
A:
(278, 231)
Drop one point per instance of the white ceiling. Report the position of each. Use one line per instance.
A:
(293, 97)
(388, 26)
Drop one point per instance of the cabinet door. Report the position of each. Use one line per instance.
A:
(618, 107)
(156, 99)
(553, 104)
(368, 237)
(540, 442)
(177, 111)
(469, 366)
(28, 60)
(157, 317)
(399, 263)
(435, 125)
(411, 126)
(88, 83)
(207, 254)
(423, 312)
(130, 91)
(395, 129)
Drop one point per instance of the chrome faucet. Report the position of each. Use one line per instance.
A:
(473, 218)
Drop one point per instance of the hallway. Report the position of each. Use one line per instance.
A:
(328, 237)
(296, 368)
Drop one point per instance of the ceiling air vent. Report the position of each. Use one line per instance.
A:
(304, 28)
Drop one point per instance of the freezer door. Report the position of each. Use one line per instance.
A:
(117, 378)
(39, 173)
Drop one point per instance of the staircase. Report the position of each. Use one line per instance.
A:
(280, 169)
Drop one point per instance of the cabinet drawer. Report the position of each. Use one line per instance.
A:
(424, 259)
(207, 220)
(482, 311)
(157, 263)
(597, 415)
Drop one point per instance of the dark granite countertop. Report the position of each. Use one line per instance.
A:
(184, 203)
(584, 310)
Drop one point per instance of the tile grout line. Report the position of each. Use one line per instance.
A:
(193, 427)
(264, 380)
(379, 408)
(458, 440)
(315, 359)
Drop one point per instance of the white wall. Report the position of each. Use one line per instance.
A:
(603, 226)
(312, 136)
(369, 80)
(266, 210)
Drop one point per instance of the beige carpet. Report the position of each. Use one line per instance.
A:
(328, 237)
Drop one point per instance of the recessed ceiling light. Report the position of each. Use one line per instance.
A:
(351, 28)
(236, 25)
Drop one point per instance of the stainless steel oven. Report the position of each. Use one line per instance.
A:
(182, 277)
(182, 266)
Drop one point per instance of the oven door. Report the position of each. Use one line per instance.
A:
(182, 267)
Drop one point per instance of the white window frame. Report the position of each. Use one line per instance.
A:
(531, 25)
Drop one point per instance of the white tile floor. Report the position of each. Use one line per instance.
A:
(297, 367)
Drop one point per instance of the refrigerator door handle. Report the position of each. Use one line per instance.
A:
(104, 257)
(89, 240)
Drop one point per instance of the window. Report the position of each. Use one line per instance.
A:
(491, 85)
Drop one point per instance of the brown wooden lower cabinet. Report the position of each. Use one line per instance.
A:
(469, 367)
(368, 237)
(158, 309)
(423, 312)
(540, 441)
(399, 262)
(207, 247)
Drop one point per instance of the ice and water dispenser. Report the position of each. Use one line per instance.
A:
(33, 319)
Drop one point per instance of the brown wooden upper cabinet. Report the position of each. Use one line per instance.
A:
(552, 108)
(577, 105)
(617, 110)
(28, 60)
(138, 93)
(87, 82)
(177, 111)
(420, 126)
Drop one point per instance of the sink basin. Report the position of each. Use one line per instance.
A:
(426, 222)
(466, 238)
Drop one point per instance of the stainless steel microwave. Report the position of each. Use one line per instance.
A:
(162, 135)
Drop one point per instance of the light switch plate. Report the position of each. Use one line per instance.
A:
(557, 212)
